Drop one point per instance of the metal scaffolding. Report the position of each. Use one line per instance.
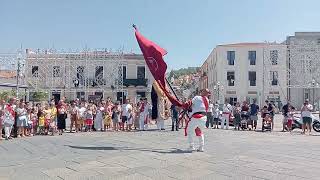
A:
(74, 72)
(14, 64)
(303, 64)
(303, 70)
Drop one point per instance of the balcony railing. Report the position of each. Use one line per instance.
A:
(135, 82)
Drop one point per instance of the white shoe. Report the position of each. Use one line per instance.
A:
(201, 149)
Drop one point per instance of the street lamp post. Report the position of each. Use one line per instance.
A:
(314, 84)
(19, 66)
(217, 89)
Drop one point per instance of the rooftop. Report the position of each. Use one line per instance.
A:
(7, 74)
(248, 44)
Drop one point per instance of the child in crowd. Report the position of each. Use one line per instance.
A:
(34, 119)
(82, 116)
(47, 115)
(216, 117)
(89, 118)
(116, 116)
(264, 111)
(30, 122)
(174, 118)
(41, 121)
(107, 116)
(130, 120)
(290, 118)
(107, 121)
(237, 116)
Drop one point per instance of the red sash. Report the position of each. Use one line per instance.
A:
(198, 116)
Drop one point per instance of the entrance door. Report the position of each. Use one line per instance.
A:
(56, 97)
(81, 96)
(233, 101)
(121, 96)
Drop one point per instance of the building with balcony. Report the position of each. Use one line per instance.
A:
(89, 75)
(246, 71)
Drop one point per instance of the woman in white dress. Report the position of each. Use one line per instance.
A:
(99, 118)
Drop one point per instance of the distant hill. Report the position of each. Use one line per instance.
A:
(183, 71)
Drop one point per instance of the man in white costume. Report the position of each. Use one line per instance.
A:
(197, 124)
(226, 114)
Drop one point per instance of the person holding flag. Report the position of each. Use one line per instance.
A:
(153, 55)
(199, 107)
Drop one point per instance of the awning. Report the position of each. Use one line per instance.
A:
(13, 85)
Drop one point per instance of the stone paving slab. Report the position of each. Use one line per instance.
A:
(163, 155)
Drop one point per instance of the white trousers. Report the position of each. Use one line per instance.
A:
(225, 119)
(142, 126)
(193, 124)
(160, 123)
(7, 130)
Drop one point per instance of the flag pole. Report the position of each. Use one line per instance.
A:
(135, 27)
(171, 88)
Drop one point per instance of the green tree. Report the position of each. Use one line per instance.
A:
(40, 96)
(6, 94)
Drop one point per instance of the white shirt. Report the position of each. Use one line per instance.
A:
(227, 108)
(126, 109)
(81, 111)
(74, 110)
(307, 113)
(198, 104)
(216, 113)
(210, 109)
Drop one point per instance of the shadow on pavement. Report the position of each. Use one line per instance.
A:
(93, 148)
(161, 151)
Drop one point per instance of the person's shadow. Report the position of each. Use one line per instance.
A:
(106, 148)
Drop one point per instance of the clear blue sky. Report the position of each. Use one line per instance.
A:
(187, 29)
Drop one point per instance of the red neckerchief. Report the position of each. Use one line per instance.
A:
(142, 107)
(10, 109)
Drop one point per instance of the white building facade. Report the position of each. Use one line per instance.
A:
(247, 71)
(89, 75)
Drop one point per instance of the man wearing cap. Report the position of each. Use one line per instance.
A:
(200, 105)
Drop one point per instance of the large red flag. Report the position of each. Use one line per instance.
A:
(153, 55)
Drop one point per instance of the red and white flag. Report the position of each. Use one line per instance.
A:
(153, 55)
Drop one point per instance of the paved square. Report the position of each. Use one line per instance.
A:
(162, 155)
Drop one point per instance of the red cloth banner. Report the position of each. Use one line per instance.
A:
(153, 55)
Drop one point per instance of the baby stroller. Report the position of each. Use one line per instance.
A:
(267, 123)
(244, 124)
(245, 121)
